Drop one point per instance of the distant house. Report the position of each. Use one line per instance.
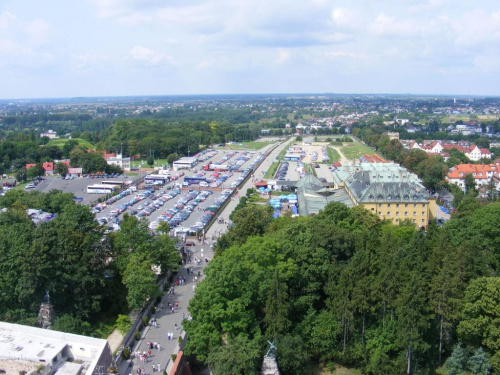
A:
(119, 160)
(51, 134)
(472, 152)
(483, 174)
(48, 166)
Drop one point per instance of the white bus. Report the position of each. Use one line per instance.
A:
(118, 184)
(100, 189)
(156, 179)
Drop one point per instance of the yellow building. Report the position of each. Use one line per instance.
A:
(389, 191)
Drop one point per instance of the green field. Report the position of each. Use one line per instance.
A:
(60, 142)
(355, 150)
(333, 154)
(253, 145)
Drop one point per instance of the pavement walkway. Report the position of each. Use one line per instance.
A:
(166, 320)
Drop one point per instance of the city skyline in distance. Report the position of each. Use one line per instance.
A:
(123, 48)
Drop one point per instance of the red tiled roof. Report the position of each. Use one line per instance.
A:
(478, 171)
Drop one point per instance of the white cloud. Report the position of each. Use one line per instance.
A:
(283, 55)
(476, 28)
(38, 31)
(147, 56)
(385, 25)
(88, 62)
(6, 19)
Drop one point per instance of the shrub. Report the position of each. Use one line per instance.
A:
(126, 353)
(137, 335)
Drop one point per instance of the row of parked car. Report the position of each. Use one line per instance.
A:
(282, 171)
(182, 208)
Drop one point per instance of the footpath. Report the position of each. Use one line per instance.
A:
(171, 322)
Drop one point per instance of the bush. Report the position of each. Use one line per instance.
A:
(137, 335)
(145, 320)
(174, 357)
(153, 310)
(123, 324)
(126, 353)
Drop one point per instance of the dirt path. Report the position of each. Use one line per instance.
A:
(115, 340)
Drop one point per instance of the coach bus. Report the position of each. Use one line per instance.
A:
(100, 189)
(194, 180)
(117, 184)
(156, 179)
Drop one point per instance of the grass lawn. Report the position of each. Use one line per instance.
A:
(332, 154)
(355, 150)
(252, 145)
(60, 142)
(142, 163)
(272, 170)
(281, 155)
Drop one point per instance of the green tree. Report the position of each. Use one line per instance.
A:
(479, 363)
(62, 169)
(481, 317)
(292, 355)
(68, 147)
(35, 171)
(277, 307)
(470, 184)
(151, 161)
(22, 175)
(71, 324)
(239, 356)
(172, 157)
(455, 364)
(446, 288)
(123, 324)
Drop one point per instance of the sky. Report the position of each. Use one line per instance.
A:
(61, 48)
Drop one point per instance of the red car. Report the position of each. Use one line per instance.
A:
(190, 243)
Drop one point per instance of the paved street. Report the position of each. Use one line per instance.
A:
(183, 293)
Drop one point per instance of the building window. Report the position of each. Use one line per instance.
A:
(379, 205)
(406, 213)
(380, 213)
(397, 205)
(414, 205)
(397, 213)
(423, 213)
(414, 220)
(414, 213)
(373, 209)
(423, 221)
(406, 205)
(397, 220)
(388, 213)
(389, 205)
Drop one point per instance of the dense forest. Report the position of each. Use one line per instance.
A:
(91, 277)
(344, 287)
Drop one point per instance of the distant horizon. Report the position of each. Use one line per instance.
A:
(292, 94)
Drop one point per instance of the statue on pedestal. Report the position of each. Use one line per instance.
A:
(46, 314)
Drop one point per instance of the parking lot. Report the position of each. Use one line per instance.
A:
(187, 209)
(78, 185)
